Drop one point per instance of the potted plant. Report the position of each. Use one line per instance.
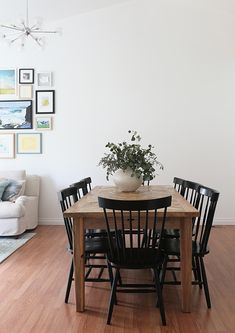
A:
(130, 162)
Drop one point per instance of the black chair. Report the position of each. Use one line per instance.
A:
(189, 190)
(206, 203)
(95, 248)
(136, 250)
(178, 183)
(83, 187)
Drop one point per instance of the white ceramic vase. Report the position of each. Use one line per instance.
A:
(125, 182)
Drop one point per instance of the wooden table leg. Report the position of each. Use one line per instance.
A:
(186, 263)
(79, 269)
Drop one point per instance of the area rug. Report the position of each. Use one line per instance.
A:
(9, 245)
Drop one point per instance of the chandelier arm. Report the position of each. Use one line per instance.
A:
(35, 39)
(13, 40)
(44, 32)
(10, 27)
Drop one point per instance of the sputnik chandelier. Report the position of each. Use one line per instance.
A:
(23, 30)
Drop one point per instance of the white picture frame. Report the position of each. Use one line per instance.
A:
(8, 83)
(7, 145)
(25, 91)
(44, 79)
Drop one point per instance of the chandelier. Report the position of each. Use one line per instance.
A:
(23, 30)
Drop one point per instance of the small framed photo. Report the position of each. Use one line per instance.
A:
(43, 123)
(45, 101)
(7, 145)
(44, 79)
(26, 75)
(29, 143)
(8, 87)
(25, 91)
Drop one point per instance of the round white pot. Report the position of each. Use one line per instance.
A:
(125, 182)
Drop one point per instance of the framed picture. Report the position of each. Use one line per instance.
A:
(44, 79)
(43, 123)
(16, 115)
(45, 101)
(7, 145)
(26, 75)
(25, 91)
(7, 83)
(29, 143)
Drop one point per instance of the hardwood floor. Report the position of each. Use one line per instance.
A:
(33, 282)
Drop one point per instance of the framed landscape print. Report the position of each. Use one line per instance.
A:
(43, 123)
(29, 143)
(25, 91)
(16, 115)
(44, 79)
(45, 101)
(7, 83)
(7, 145)
(26, 75)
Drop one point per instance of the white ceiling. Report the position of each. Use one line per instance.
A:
(10, 10)
(50, 9)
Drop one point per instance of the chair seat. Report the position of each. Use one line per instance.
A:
(171, 233)
(172, 247)
(96, 233)
(137, 258)
(96, 245)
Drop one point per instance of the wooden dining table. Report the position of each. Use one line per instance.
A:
(87, 214)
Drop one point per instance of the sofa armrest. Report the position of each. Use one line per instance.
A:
(30, 204)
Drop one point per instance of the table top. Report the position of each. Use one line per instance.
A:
(88, 206)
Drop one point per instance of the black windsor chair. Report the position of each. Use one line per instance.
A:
(95, 248)
(138, 250)
(206, 202)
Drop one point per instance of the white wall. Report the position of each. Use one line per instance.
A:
(164, 68)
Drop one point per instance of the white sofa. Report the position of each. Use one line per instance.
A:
(21, 215)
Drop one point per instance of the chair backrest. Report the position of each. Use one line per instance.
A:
(67, 198)
(144, 228)
(206, 204)
(190, 191)
(83, 186)
(87, 180)
(178, 183)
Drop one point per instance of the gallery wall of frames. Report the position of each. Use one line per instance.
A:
(27, 107)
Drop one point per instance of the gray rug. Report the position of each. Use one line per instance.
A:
(9, 245)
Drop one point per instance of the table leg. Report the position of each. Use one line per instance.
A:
(186, 263)
(79, 269)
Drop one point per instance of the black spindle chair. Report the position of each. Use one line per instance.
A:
(95, 248)
(206, 202)
(138, 249)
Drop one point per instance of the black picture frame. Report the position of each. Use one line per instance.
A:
(16, 114)
(45, 101)
(26, 75)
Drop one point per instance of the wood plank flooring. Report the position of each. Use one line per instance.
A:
(33, 281)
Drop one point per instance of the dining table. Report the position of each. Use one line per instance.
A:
(86, 214)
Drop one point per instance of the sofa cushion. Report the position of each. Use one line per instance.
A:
(3, 184)
(11, 210)
(14, 190)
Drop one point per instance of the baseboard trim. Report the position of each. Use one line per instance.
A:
(225, 221)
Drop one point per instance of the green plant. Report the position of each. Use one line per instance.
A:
(123, 155)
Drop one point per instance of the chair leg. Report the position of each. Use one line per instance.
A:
(199, 275)
(205, 284)
(112, 298)
(159, 299)
(70, 279)
(163, 271)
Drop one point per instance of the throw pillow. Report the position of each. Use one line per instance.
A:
(14, 190)
(3, 184)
